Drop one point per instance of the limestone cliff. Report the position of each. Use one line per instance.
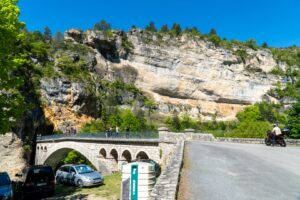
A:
(182, 74)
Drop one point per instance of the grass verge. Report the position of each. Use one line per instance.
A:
(110, 190)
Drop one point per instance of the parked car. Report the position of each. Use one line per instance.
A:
(157, 167)
(79, 175)
(38, 180)
(6, 191)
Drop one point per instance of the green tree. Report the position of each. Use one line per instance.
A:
(95, 126)
(102, 26)
(150, 105)
(47, 34)
(151, 27)
(58, 40)
(192, 31)
(173, 123)
(164, 28)
(74, 157)
(11, 101)
(250, 113)
(129, 120)
(269, 111)
(176, 29)
(264, 45)
(213, 31)
(293, 120)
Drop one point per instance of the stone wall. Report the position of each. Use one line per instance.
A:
(167, 184)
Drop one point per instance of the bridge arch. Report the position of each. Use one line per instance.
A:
(126, 156)
(102, 153)
(142, 155)
(114, 155)
(54, 155)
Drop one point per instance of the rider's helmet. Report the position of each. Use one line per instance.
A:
(274, 125)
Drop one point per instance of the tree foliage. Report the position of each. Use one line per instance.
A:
(102, 26)
(11, 101)
(293, 120)
(47, 34)
(176, 29)
(164, 28)
(213, 31)
(151, 27)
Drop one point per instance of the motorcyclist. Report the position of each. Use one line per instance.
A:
(275, 133)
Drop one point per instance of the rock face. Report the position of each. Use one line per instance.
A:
(183, 74)
(11, 154)
(67, 103)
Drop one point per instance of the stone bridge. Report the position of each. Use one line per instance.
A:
(106, 154)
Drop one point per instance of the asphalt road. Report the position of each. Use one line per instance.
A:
(221, 171)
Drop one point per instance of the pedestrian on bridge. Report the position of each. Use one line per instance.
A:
(127, 131)
(117, 132)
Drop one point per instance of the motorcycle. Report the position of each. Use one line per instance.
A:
(279, 139)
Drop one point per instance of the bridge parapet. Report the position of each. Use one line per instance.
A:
(102, 135)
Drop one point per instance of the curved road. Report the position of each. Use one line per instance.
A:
(221, 171)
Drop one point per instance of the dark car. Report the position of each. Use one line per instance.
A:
(39, 181)
(157, 167)
(6, 191)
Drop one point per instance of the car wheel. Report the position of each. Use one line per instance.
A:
(80, 183)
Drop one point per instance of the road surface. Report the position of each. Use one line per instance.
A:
(221, 171)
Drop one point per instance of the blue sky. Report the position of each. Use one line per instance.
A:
(275, 21)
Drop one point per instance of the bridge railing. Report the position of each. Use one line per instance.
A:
(102, 135)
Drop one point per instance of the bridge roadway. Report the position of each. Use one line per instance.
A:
(221, 171)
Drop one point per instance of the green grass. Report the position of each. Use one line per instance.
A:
(110, 190)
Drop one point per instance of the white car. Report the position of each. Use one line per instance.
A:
(79, 175)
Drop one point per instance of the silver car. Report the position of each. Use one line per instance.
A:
(79, 175)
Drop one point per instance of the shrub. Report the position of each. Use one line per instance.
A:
(215, 39)
(251, 44)
(173, 123)
(277, 71)
(250, 129)
(73, 69)
(95, 126)
(242, 54)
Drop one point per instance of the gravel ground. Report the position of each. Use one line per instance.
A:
(243, 171)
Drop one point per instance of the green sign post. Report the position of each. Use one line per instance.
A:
(134, 183)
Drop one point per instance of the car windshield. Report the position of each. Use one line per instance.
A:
(40, 174)
(83, 169)
(4, 180)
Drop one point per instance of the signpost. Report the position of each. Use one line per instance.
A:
(134, 183)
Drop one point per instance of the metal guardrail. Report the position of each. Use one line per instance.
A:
(102, 135)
